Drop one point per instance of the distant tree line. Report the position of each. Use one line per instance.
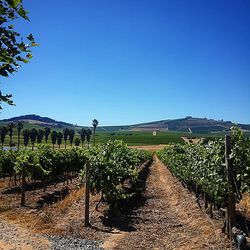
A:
(34, 135)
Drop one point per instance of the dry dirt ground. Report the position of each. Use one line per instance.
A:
(169, 219)
(14, 237)
(151, 148)
(192, 140)
(166, 217)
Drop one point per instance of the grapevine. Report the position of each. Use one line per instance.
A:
(203, 165)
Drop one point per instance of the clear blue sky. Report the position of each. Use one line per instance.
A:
(132, 61)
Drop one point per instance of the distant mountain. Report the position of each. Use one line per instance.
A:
(36, 119)
(190, 124)
(187, 124)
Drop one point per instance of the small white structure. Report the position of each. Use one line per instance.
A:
(154, 133)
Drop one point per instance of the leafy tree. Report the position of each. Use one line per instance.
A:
(14, 49)
(40, 135)
(26, 137)
(33, 136)
(46, 134)
(11, 126)
(83, 135)
(88, 135)
(3, 133)
(71, 136)
(59, 138)
(77, 141)
(53, 138)
(65, 136)
(5, 98)
(19, 128)
(94, 124)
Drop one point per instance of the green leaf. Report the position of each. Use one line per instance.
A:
(23, 13)
(14, 3)
(3, 72)
(30, 38)
(33, 44)
(2, 10)
(29, 56)
(20, 59)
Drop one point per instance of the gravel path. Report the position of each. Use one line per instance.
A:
(69, 243)
(13, 237)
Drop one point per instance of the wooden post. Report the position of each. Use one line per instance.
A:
(205, 200)
(230, 219)
(226, 225)
(23, 188)
(196, 191)
(67, 176)
(86, 222)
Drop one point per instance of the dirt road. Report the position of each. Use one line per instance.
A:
(170, 219)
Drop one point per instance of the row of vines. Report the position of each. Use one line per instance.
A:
(111, 164)
(44, 164)
(202, 166)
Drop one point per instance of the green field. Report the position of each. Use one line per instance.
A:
(141, 138)
(132, 138)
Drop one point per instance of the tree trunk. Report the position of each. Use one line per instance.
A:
(18, 140)
(211, 210)
(196, 191)
(67, 174)
(115, 211)
(23, 188)
(205, 201)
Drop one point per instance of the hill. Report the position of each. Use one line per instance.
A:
(190, 124)
(38, 120)
(187, 124)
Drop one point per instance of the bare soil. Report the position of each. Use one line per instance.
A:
(191, 140)
(151, 148)
(14, 237)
